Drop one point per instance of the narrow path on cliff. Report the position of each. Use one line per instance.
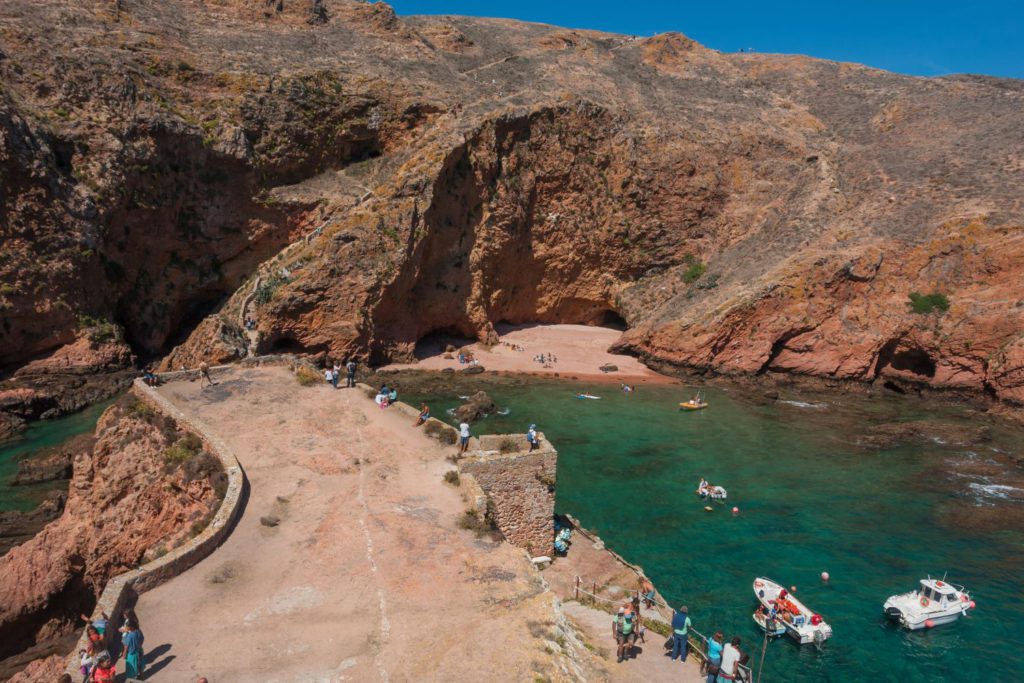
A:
(347, 488)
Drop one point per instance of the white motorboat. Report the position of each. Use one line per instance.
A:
(934, 604)
(800, 623)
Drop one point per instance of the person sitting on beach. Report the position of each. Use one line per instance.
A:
(423, 416)
(531, 437)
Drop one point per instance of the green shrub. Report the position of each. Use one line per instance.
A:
(183, 450)
(511, 444)
(265, 292)
(693, 270)
(307, 376)
(142, 410)
(928, 303)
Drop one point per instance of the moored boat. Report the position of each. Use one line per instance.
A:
(772, 626)
(797, 619)
(934, 604)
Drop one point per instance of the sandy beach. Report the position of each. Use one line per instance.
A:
(577, 351)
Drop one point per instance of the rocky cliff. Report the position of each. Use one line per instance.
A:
(143, 488)
(356, 181)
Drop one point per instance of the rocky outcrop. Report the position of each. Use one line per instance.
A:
(399, 178)
(17, 527)
(142, 489)
(478, 406)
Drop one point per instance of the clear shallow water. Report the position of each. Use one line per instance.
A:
(43, 434)
(811, 500)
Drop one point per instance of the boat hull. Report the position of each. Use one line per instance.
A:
(805, 632)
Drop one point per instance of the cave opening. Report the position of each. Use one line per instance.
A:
(915, 360)
(613, 320)
(438, 340)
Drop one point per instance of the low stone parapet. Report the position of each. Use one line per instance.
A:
(124, 587)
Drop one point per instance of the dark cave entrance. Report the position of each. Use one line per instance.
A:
(613, 320)
(437, 341)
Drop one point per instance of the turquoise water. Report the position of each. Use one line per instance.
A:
(39, 435)
(810, 500)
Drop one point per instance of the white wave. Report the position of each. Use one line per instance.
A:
(503, 411)
(464, 398)
(997, 491)
(804, 404)
(450, 411)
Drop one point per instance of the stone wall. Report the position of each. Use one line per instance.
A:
(519, 485)
(122, 589)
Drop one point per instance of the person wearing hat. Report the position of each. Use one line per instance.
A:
(531, 437)
(624, 625)
(680, 626)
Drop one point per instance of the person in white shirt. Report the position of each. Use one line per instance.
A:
(463, 437)
(730, 665)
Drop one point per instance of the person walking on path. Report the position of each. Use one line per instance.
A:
(204, 374)
(680, 627)
(463, 437)
(350, 374)
(531, 437)
(335, 375)
(730, 665)
(134, 660)
(624, 631)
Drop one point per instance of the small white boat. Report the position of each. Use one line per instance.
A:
(590, 396)
(712, 492)
(934, 604)
(773, 627)
(800, 623)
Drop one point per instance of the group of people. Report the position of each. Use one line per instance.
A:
(386, 396)
(250, 323)
(723, 659)
(514, 347)
(333, 374)
(546, 361)
(98, 661)
(467, 358)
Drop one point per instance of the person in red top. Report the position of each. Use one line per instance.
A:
(104, 672)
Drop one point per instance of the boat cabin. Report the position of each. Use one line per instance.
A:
(937, 591)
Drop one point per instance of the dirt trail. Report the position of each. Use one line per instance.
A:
(365, 575)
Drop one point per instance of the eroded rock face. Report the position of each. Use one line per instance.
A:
(739, 213)
(127, 502)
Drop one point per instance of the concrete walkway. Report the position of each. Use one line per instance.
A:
(651, 663)
(364, 577)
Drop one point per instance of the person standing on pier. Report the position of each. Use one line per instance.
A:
(531, 437)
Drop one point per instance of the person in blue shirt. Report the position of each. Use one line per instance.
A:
(680, 626)
(134, 661)
(715, 646)
(531, 437)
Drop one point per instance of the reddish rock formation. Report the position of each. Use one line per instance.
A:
(741, 213)
(130, 498)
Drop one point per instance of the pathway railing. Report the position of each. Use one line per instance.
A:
(697, 640)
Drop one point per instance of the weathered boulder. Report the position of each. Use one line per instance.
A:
(479, 405)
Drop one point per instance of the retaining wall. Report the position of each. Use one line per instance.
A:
(520, 486)
(123, 588)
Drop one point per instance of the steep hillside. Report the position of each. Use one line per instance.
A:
(356, 181)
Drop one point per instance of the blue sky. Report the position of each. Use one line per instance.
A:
(921, 38)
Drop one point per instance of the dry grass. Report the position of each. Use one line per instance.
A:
(307, 376)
